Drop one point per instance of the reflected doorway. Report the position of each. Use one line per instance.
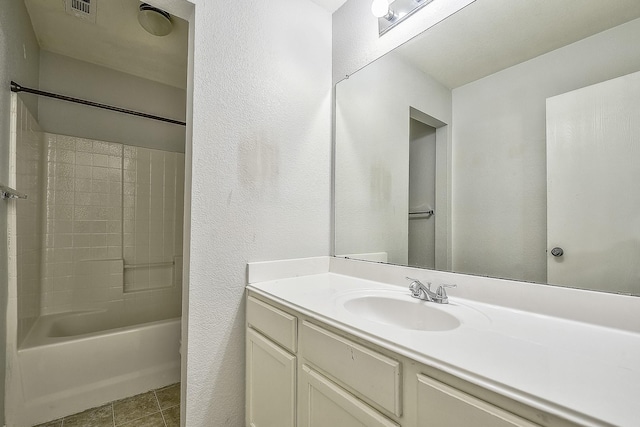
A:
(422, 195)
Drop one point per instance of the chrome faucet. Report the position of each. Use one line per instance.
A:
(420, 291)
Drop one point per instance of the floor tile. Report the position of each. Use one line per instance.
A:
(169, 396)
(57, 423)
(154, 420)
(135, 407)
(172, 416)
(96, 417)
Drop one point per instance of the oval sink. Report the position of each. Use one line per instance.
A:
(403, 311)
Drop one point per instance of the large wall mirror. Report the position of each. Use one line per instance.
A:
(503, 142)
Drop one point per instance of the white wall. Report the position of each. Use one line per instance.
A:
(67, 76)
(19, 57)
(260, 175)
(372, 154)
(499, 152)
(355, 32)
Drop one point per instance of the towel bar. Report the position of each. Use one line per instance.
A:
(153, 264)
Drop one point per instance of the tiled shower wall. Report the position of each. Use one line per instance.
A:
(83, 225)
(28, 179)
(111, 210)
(153, 206)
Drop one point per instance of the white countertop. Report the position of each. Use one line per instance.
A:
(585, 373)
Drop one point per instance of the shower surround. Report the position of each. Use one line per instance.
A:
(113, 229)
(95, 267)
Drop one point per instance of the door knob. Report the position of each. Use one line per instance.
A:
(557, 252)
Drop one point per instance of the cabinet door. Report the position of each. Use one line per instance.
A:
(325, 404)
(440, 405)
(271, 383)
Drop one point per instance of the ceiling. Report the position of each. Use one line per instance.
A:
(116, 40)
(330, 5)
(490, 35)
(481, 39)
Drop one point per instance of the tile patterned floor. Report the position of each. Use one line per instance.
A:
(156, 408)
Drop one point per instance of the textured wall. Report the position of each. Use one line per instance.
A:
(260, 172)
(355, 32)
(19, 56)
(68, 76)
(499, 157)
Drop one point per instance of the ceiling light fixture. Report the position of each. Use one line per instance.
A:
(155, 21)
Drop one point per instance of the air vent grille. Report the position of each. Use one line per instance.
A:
(83, 9)
(83, 6)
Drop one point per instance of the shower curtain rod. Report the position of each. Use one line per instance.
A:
(15, 87)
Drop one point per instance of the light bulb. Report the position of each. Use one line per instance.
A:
(380, 8)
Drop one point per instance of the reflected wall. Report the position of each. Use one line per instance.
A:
(373, 113)
(499, 152)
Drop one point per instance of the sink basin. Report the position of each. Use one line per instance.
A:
(401, 310)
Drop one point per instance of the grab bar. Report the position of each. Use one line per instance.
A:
(153, 264)
(10, 193)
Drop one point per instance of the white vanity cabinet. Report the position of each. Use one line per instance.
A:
(270, 366)
(301, 372)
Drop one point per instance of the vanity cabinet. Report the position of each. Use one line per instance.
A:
(301, 372)
(270, 366)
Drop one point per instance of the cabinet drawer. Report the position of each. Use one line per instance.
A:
(279, 326)
(444, 406)
(375, 376)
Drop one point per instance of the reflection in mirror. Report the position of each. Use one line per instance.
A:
(518, 125)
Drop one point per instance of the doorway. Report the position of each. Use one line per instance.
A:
(422, 194)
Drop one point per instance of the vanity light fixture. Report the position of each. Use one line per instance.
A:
(380, 9)
(391, 14)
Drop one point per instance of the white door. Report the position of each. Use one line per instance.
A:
(593, 186)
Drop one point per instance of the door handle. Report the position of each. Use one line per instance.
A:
(557, 252)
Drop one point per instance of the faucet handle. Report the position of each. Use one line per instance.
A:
(441, 293)
(428, 285)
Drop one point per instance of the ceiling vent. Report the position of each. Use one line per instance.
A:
(83, 9)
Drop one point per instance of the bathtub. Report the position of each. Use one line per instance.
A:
(69, 362)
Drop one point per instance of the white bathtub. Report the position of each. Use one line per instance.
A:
(69, 363)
